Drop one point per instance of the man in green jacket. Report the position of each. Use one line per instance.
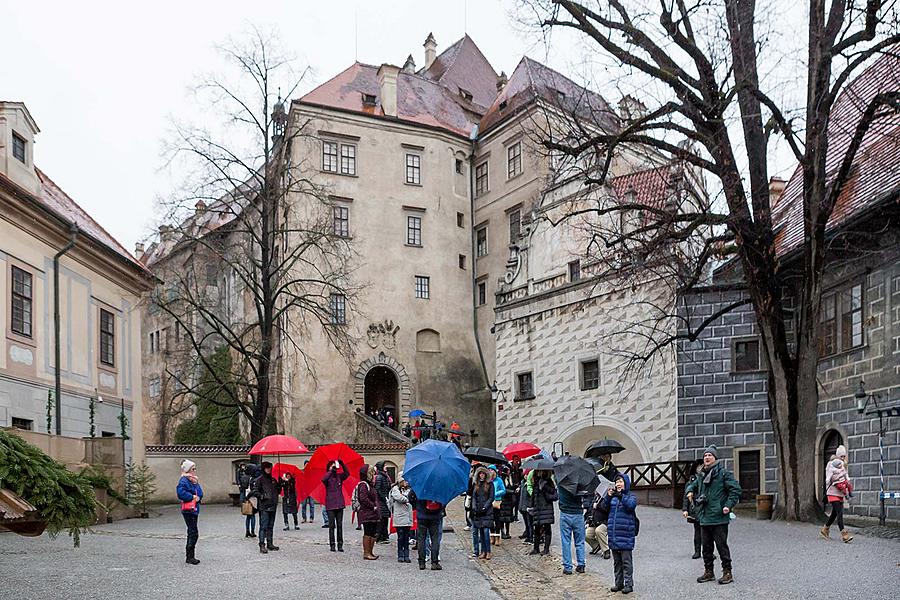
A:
(714, 494)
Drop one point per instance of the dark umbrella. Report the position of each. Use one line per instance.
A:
(485, 455)
(601, 447)
(539, 464)
(576, 475)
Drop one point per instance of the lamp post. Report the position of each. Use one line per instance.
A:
(862, 404)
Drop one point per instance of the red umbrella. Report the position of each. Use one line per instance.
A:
(319, 465)
(278, 444)
(281, 468)
(523, 450)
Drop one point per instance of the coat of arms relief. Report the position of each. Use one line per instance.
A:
(383, 333)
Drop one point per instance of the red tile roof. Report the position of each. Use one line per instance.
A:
(651, 187)
(462, 65)
(875, 171)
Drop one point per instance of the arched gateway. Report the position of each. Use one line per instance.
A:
(382, 382)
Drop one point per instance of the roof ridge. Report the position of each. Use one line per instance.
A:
(330, 79)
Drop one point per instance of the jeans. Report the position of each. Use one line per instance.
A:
(308, 502)
(336, 521)
(250, 523)
(718, 535)
(429, 531)
(324, 516)
(837, 512)
(403, 543)
(597, 538)
(698, 537)
(481, 540)
(529, 526)
(623, 567)
(266, 526)
(571, 525)
(190, 519)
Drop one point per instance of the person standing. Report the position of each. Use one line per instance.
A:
(246, 477)
(837, 484)
(402, 514)
(309, 504)
(543, 494)
(714, 494)
(334, 503)
(368, 512)
(571, 527)
(524, 502)
(689, 512)
(265, 489)
(620, 503)
(482, 512)
(190, 493)
(289, 500)
(428, 534)
(383, 485)
(499, 495)
(515, 483)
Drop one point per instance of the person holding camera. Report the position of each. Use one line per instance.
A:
(714, 493)
(334, 502)
(687, 508)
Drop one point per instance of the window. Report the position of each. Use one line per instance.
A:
(341, 216)
(828, 326)
(481, 241)
(154, 386)
(515, 225)
(748, 473)
(26, 424)
(841, 320)
(348, 159)
(22, 294)
(575, 270)
(329, 157)
(414, 231)
(514, 160)
(590, 374)
(330, 153)
(369, 99)
(422, 287)
(212, 275)
(746, 356)
(107, 338)
(177, 331)
(154, 342)
(851, 317)
(414, 169)
(338, 305)
(482, 293)
(459, 166)
(524, 386)
(460, 220)
(462, 261)
(108, 434)
(18, 147)
(481, 179)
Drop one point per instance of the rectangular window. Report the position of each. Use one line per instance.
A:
(590, 374)
(828, 326)
(22, 294)
(177, 331)
(154, 342)
(423, 285)
(841, 323)
(575, 270)
(414, 169)
(154, 386)
(514, 160)
(330, 157)
(341, 216)
(459, 166)
(746, 357)
(18, 147)
(851, 317)
(462, 261)
(481, 241)
(348, 159)
(524, 386)
(482, 293)
(414, 231)
(338, 305)
(26, 424)
(481, 179)
(108, 338)
(515, 225)
(460, 220)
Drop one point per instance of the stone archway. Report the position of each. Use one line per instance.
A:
(581, 433)
(382, 394)
(393, 366)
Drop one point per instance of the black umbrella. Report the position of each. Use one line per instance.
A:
(485, 455)
(601, 447)
(539, 464)
(576, 475)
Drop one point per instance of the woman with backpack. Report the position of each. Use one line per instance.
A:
(365, 503)
(334, 502)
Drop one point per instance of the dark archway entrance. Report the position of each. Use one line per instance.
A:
(382, 394)
(830, 441)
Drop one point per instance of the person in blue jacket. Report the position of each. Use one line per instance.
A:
(621, 527)
(190, 493)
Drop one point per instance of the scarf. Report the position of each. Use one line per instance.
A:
(191, 477)
(709, 474)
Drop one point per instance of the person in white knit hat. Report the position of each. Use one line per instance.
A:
(190, 493)
(837, 492)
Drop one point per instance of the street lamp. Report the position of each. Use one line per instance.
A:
(862, 407)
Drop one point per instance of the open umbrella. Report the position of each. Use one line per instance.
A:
(539, 464)
(485, 455)
(436, 471)
(277, 445)
(282, 468)
(604, 446)
(416, 412)
(319, 465)
(523, 450)
(576, 475)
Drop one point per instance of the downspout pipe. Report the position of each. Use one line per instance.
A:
(73, 232)
(473, 138)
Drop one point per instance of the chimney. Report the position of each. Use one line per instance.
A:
(776, 189)
(430, 50)
(410, 65)
(502, 81)
(199, 207)
(166, 233)
(139, 250)
(387, 83)
(631, 109)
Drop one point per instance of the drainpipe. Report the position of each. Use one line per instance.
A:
(473, 137)
(73, 231)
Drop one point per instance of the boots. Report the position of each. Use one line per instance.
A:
(708, 575)
(726, 577)
(368, 546)
(825, 533)
(189, 557)
(845, 536)
(262, 549)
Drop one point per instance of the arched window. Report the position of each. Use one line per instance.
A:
(428, 340)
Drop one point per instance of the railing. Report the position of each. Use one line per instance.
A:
(375, 425)
(656, 479)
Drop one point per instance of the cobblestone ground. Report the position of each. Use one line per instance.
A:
(772, 560)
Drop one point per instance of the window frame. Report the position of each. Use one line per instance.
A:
(154, 383)
(517, 211)
(23, 423)
(482, 178)
(413, 171)
(107, 339)
(574, 270)
(340, 221)
(835, 328)
(27, 303)
(478, 247)
(514, 160)
(349, 159)
(19, 144)
(519, 397)
(462, 261)
(330, 159)
(423, 287)
(481, 293)
(414, 232)
(337, 309)
(761, 361)
(582, 381)
(461, 220)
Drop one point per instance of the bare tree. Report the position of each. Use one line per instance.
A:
(252, 242)
(715, 116)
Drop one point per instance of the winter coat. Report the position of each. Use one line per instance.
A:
(401, 507)
(569, 503)
(483, 506)
(383, 488)
(686, 505)
(621, 524)
(543, 496)
(719, 489)
(597, 514)
(334, 487)
(423, 513)
(289, 496)
(524, 496)
(265, 489)
(186, 490)
(832, 476)
(368, 498)
(507, 504)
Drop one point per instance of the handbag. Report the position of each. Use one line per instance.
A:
(190, 505)
(247, 508)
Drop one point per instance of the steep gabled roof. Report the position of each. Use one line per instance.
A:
(463, 66)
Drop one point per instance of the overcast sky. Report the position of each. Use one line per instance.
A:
(103, 79)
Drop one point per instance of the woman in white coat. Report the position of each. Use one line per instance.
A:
(402, 512)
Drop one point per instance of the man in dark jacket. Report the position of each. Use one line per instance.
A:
(515, 478)
(383, 486)
(714, 494)
(431, 517)
(266, 489)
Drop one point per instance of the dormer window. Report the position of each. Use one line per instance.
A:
(560, 97)
(369, 99)
(18, 147)
(465, 94)
(503, 105)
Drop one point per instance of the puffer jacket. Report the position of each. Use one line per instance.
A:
(265, 489)
(543, 495)
(383, 488)
(483, 507)
(368, 498)
(401, 506)
(186, 490)
(832, 476)
(719, 489)
(620, 526)
(507, 503)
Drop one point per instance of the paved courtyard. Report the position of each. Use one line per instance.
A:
(144, 559)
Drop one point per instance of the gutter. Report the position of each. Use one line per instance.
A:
(73, 231)
(473, 138)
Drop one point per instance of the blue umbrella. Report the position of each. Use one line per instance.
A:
(436, 471)
(417, 412)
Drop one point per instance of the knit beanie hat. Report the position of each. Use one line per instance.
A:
(841, 451)
(187, 465)
(712, 450)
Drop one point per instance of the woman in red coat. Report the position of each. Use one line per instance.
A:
(368, 512)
